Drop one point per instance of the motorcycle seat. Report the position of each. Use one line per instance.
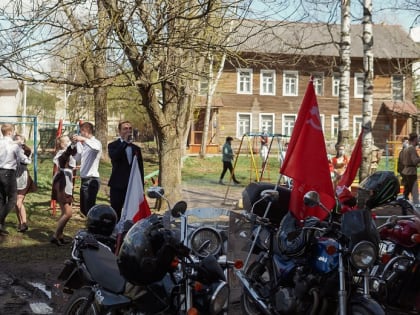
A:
(103, 268)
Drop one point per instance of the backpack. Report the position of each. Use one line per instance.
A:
(400, 165)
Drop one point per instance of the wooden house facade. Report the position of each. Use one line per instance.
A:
(262, 87)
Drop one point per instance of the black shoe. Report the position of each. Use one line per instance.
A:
(3, 230)
(64, 241)
(23, 228)
(55, 241)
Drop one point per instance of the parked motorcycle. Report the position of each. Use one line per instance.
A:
(310, 267)
(396, 279)
(150, 275)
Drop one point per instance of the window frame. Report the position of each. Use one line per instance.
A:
(357, 126)
(262, 126)
(335, 83)
(239, 135)
(334, 126)
(285, 81)
(402, 87)
(264, 84)
(358, 75)
(240, 82)
(318, 81)
(283, 126)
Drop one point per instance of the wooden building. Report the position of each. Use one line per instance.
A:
(264, 81)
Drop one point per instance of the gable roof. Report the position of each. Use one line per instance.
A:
(315, 39)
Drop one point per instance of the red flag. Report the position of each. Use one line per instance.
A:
(353, 165)
(135, 204)
(306, 160)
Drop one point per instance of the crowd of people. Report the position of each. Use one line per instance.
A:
(81, 150)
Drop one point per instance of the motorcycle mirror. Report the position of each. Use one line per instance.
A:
(273, 194)
(155, 192)
(179, 209)
(311, 199)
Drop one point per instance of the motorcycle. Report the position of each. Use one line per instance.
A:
(150, 275)
(396, 279)
(313, 268)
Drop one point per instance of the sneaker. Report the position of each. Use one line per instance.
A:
(23, 228)
(55, 241)
(3, 230)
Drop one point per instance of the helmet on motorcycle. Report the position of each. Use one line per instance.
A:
(147, 251)
(101, 219)
(378, 188)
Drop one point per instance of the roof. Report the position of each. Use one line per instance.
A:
(401, 107)
(275, 37)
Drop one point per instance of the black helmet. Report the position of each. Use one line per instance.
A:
(377, 189)
(147, 251)
(101, 219)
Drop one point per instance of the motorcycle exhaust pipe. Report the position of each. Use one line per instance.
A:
(254, 295)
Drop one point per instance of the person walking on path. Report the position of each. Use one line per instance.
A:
(122, 153)
(89, 150)
(62, 187)
(227, 157)
(410, 160)
(25, 185)
(10, 155)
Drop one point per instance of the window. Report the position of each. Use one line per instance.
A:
(358, 85)
(267, 82)
(290, 83)
(357, 125)
(203, 86)
(334, 126)
(318, 83)
(243, 123)
(397, 88)
(244, 85)
(336, 84)
(267, 123)
(288, 124)
(322, 119)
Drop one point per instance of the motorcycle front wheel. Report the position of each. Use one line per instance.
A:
(77, 302)
(260, 276)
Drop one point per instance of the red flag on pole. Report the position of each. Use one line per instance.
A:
(306, 160)
(353, 165)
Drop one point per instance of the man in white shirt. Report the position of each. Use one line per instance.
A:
(89, 150)
(10, 154)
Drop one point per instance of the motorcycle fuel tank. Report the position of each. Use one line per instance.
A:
(402, 233)
(323, 260)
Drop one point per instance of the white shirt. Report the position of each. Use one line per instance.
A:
(89, 154)
(11, 153)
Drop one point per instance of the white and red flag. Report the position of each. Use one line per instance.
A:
(135, 205)
(306, 160)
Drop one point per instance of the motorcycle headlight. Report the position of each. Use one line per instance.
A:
(205, 241)
(219, 298)
(363, 255)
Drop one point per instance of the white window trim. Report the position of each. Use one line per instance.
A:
(321, 75)
(267, 114)
(282, 123)
(273, 72)
(356, 76)
(334, 136)
(332, 84)
(284, 83)
(322, 118)
(355, 117)
(238, 76)
(238, 135)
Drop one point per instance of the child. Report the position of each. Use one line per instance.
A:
(62, 187)
(25, 184)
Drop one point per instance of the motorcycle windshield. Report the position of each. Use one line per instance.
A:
(358, 225)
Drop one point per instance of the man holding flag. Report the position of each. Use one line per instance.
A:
(306, 160)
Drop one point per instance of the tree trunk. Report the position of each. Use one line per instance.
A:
(344, 93)
(367, 89)
(207, 115)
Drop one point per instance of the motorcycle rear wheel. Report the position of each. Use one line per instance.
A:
(261, 275)
(78, 301)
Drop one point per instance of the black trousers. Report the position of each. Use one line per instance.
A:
(227, 166)
(8, 193)
(117, 197)
(88, 192)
